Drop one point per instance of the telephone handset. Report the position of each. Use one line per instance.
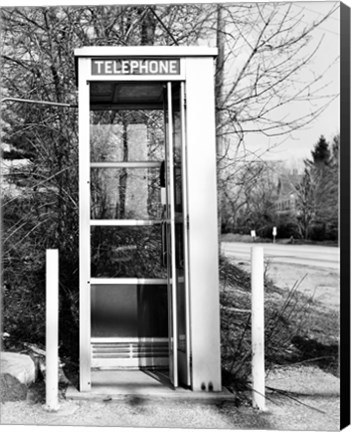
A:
(165, 232)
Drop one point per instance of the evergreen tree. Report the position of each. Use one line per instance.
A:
(321, 152)
(317, 193)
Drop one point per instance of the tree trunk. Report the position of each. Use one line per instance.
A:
(123, 177)
(148, 25)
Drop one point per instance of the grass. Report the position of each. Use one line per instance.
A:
(298, 330)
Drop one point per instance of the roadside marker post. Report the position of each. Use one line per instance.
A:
(274, 233)
(52, 307)
(257, 328)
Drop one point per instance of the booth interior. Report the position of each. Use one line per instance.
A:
(137, 227)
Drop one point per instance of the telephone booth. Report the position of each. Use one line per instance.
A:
(149, 296)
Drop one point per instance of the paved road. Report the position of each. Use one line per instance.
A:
(316, 256)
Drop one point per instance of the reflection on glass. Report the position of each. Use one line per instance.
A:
(127, 252)
(178, 205)
(125, 193)
(121, 136)
(152, 311)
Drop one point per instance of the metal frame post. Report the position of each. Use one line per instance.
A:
(185, 230)
(203, 229)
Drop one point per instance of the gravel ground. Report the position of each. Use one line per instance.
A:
(312, 404)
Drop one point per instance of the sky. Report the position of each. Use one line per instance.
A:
(297, 146)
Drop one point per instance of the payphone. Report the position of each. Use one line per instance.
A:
(149, 294)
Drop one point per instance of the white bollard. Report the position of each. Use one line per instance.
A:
(257, 328)
(52, 306)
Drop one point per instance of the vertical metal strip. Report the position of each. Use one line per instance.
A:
(167, 224)
(173, 249)
(185, 231)
(84, 228)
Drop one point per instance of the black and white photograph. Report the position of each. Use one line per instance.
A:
(175, 215)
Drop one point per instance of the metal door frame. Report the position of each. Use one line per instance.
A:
(173, 306)
(185, 230)
(172, 296)
(85, 224)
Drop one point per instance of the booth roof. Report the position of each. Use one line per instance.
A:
(146, 51)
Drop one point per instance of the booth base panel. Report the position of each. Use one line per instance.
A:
(109, 353)
(145, 385)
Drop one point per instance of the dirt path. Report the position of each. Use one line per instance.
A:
(312, 404)
(312, 399)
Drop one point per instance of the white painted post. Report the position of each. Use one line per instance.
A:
(274, 233)
(257, 328)
(253, 235)
(52, 306)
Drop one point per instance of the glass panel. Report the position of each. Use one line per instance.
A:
(129, 311)
(168, 232)
(152, 310)
(125, 193)
(114, 311)
(121, 136)
(181, 311)
(179, 216)
(119, 252)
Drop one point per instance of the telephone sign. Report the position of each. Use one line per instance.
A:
(135, 66)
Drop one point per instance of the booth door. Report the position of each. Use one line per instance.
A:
(129, 310)
(138, 235)
(177, 230)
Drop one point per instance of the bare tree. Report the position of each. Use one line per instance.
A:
(250, 197)
(262, 52)
(268, 53)
(263, 65)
